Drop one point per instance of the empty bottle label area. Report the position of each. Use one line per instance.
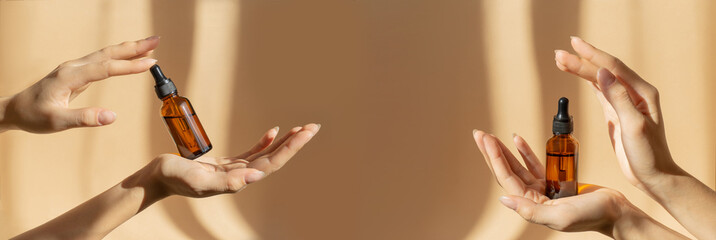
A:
(186, 133)
(561, 175)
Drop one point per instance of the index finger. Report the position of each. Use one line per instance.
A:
(512, 183)
(96, 71)
(531, 160)
(278, 158)
(122, 51)
(578, 66)
(603, 59)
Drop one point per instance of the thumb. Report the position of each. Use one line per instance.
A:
(617, 95)
(531, 211)
(236, 179)
(89, 117)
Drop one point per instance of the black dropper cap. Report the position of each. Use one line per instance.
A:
(562, 123)
(164, 86)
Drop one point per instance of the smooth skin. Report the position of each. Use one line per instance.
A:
(636, 127)
(44, 108)
(595, 208)
(169, 175)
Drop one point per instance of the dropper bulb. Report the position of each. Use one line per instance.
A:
(157, 73)
(563, 109)
(562, 122)
(163, 85)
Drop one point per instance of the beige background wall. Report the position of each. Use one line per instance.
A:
(397, 84)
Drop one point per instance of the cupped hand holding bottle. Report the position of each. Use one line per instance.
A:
(595, 208)
(636, 128)
(44, 106)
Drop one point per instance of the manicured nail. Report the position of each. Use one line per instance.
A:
(152, 37)
(508, 202)
(106, 117)
(605, 77)
(254, 177)
(149, 61)
(558, 53)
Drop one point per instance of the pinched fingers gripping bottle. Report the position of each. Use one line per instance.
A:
(180, 118)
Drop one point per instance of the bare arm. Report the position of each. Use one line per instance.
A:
(98, 216)
(170, 175)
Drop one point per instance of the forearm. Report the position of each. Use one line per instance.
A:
(688, 200)
(635, 224)
(98, 216)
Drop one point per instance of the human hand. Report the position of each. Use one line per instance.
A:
(173, 175)
(594, 209)
(208, 176)
(44, 106)
(632, 111)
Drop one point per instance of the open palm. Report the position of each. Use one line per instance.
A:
(595, 208)
(208, 176)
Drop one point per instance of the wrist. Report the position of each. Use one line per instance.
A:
(665, 180)
(148, 181)
(630, 218)
(635, 224)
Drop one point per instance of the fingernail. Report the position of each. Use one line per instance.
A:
(558, 53)
(254, 177)
(514, 135)
(152, 37)
(319, 126)
(605, 77)
(276, 128)
(508, 202)
(474, 131)
(575, 38)
(106, 117)
(149, 61)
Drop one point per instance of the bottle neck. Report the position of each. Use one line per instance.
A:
(171, 95)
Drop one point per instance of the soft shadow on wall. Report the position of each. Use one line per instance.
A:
(174, 21)
(552, 23)
(398, 87)
(711, 74)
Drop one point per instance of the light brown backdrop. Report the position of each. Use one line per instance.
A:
(397, 84)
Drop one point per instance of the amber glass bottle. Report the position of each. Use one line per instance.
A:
(562, 155)
(180, 118)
